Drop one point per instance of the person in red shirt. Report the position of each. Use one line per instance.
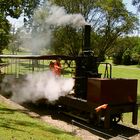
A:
(57, 67)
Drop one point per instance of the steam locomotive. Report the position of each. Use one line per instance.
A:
(95, 99)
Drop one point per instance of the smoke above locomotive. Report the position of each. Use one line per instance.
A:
(57, 16)
(44, 19)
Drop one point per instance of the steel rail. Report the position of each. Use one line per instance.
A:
(100, 132)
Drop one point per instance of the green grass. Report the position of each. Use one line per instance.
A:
(15, 125)
(127, 119)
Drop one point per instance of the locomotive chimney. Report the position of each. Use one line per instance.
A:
(87, 31)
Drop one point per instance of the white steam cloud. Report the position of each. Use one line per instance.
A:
(59, 17)
(44, 19)
(38, 86)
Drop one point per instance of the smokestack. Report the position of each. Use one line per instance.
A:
(87, 31)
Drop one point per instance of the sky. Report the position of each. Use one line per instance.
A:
(129, 6)
(19, 22)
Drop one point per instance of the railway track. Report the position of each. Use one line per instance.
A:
(110, 134)
(117, 132)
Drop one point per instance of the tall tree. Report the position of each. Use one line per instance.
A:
(116, 21)
(109, 20)
(13, 8)
(121, 48)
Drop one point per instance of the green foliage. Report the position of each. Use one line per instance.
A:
(126, 58)
(67, 41)
(117, 58)
(109, 20)
(4, 33)
(13, 8)
(116, 22)
(126, 51)
(136, 52)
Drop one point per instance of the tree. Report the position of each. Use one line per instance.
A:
(13, 8)
(70, 38)
(125, 50)
(4, 33)
(136, 51)
(109, 20)
(116, 21)
(62, 43)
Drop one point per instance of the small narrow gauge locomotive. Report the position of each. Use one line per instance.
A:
(97, 99)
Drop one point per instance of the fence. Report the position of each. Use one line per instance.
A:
(18, 65)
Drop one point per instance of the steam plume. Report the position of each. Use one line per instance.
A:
(44, 17)
(39, 86)
(59, 17)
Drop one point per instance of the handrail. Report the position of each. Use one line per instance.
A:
(106, 73)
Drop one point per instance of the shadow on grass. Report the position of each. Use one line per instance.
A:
(13, 119)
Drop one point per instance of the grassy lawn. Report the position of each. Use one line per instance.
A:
(15, 125)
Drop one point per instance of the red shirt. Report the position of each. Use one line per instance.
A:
(57, 68)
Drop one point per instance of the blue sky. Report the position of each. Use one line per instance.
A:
(18, 23)
(129, 6)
